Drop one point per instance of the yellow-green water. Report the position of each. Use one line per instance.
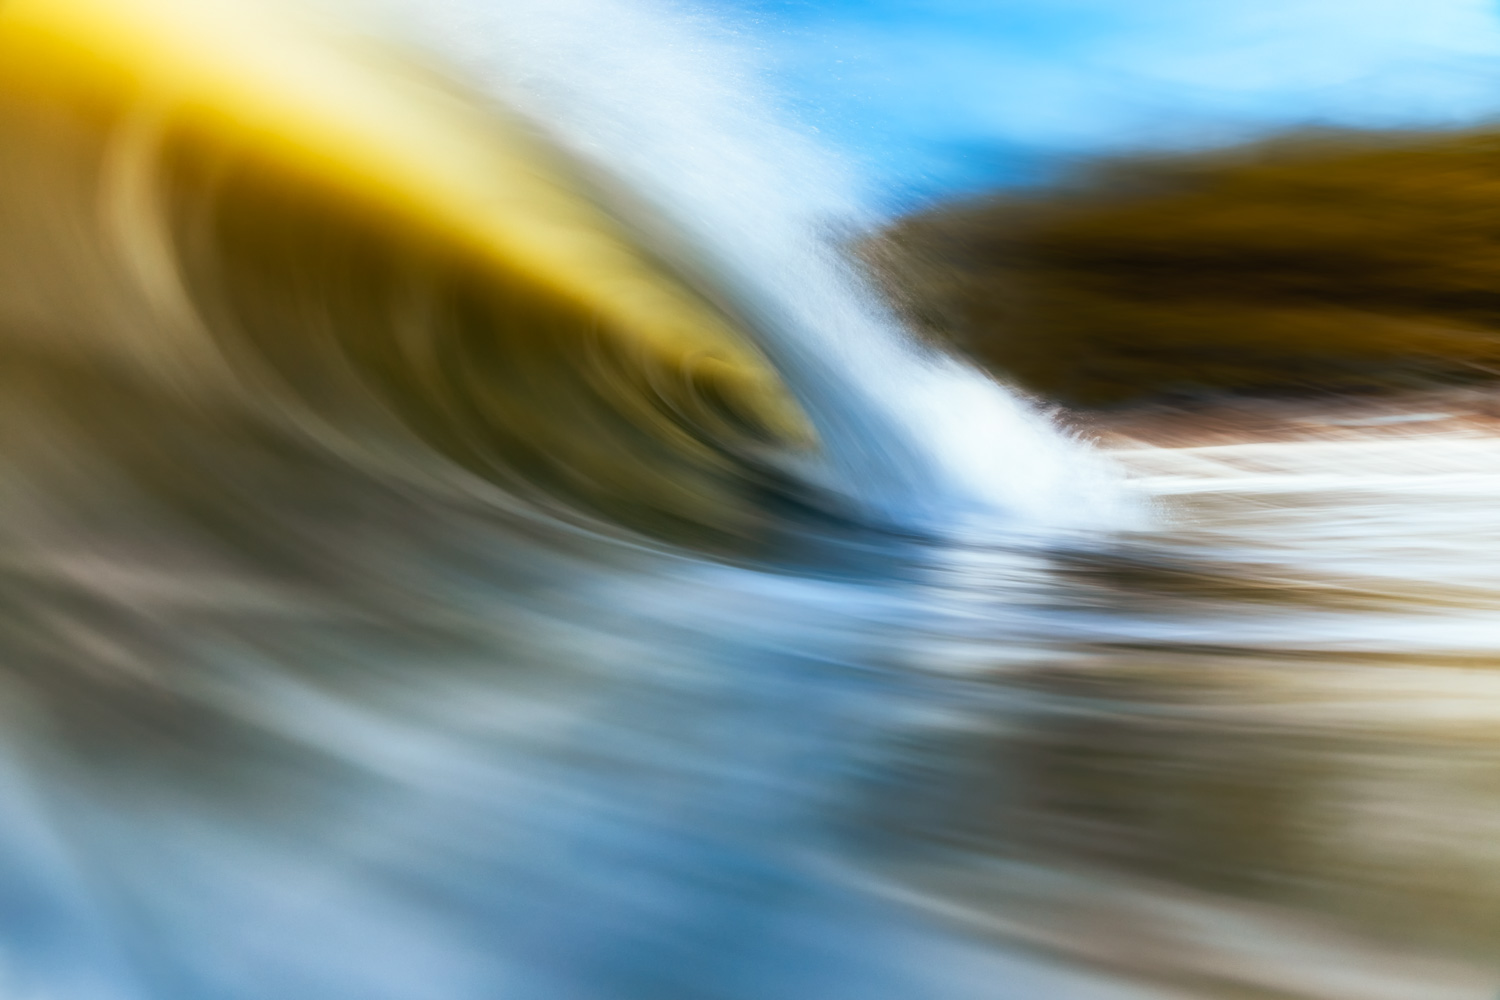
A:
(456, 545)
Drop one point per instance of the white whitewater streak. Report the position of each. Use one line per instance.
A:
(661, 102)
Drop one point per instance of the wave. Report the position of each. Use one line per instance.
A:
(466, 531)
(440, 559)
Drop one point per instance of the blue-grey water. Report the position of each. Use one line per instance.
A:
(370, 632)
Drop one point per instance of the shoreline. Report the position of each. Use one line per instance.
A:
(1242, 420)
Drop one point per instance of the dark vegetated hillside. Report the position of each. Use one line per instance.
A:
(1345, 262)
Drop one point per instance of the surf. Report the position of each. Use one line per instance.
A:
(441, 558)
(470, 528)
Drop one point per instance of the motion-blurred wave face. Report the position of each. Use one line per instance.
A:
(489, 510)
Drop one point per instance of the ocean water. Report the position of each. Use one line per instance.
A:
(468, 531)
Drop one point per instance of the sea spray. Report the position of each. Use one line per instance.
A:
(671, 116)
(464, 533)
(453, 546)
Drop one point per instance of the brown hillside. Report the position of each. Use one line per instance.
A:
(1343, 262)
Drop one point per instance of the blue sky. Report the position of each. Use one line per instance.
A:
(932, 98)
